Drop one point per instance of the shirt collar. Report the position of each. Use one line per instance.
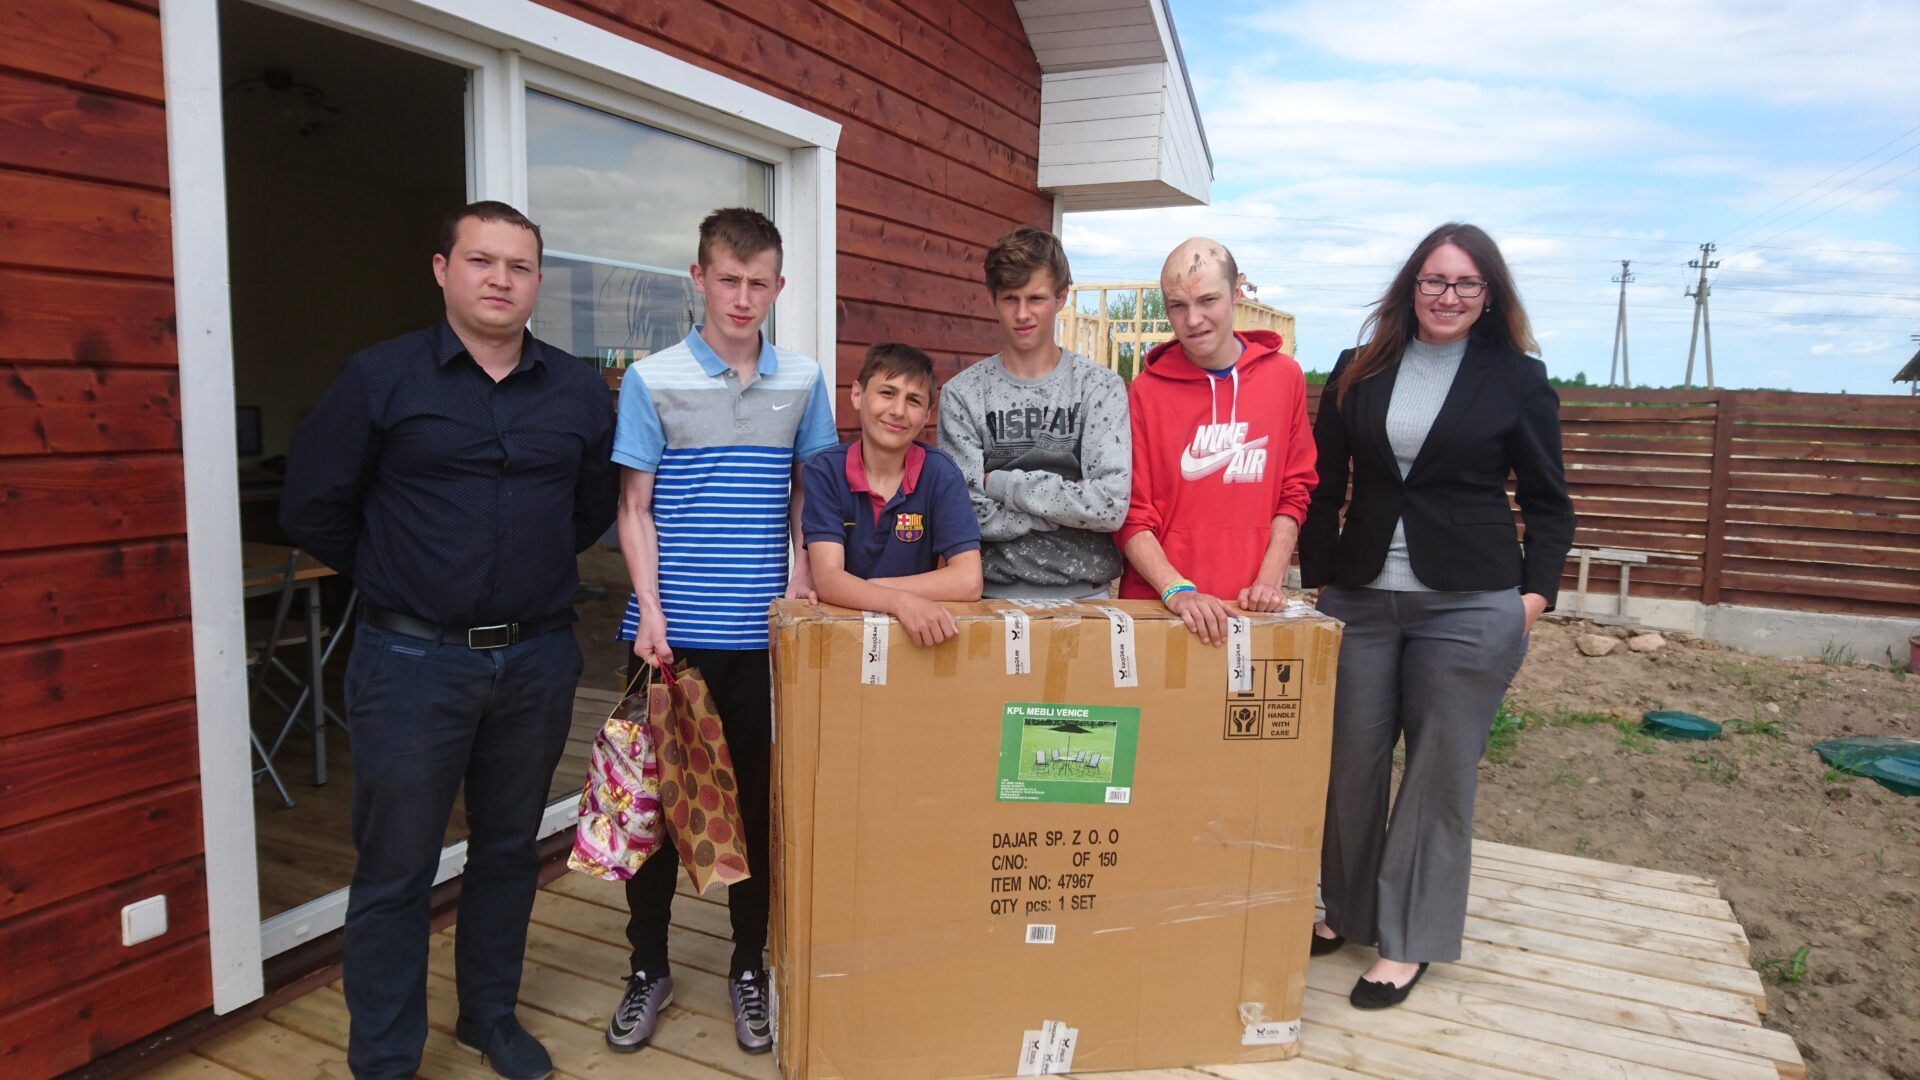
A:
(857, 469)
(447, 347)
(711, 363)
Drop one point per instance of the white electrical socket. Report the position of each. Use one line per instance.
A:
(143, 920)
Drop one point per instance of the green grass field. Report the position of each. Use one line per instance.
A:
(1036, 738)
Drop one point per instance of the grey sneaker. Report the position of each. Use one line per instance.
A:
(631, 1025)
(752, 1011)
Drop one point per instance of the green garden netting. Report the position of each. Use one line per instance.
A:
(1894, 764)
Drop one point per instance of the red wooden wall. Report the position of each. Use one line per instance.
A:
(99, 789)
(939, 103)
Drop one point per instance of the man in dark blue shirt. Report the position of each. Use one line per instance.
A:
(888, 522)
(454, 474)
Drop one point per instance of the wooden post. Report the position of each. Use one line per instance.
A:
(1726, 409)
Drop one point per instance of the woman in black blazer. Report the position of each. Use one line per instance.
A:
(1429, 416)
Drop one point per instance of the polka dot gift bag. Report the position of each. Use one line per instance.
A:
(698, 795)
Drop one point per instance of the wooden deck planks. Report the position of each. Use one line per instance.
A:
(1572, 969)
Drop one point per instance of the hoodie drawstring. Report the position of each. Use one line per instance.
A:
(1213, 398)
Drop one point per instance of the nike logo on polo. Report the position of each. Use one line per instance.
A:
(1224, 446)
(777, 408)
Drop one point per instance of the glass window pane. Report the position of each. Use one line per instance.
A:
(619, 204)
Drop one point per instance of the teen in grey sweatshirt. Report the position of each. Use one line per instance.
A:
(1048, 463)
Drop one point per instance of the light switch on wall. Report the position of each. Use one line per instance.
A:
(143, 920)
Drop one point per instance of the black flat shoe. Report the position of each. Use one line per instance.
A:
(1323, 946)
(1375, 995)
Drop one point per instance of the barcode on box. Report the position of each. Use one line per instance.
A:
(1120, 795)
(1040, 933)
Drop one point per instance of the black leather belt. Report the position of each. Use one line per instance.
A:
(498, 636)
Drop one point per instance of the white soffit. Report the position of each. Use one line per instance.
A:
(1118, 125)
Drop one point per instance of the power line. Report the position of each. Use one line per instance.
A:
(1742, 227)
(1837, 206)
(1610, 238)
(1910, 298)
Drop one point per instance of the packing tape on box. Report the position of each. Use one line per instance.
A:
(1019, 636)
(1239, 654)
(1048, 1051)
(1173, 660)
(868, 952)
(1063, 648)
(874, 635)
(1125, 657)
(946, 656)
(1260, 1031)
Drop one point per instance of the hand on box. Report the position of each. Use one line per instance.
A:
(1262, 596)
(926, 622)
(800, 583)
(1203, 613)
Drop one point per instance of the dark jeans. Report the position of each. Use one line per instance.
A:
(423, 717)
(742, 685)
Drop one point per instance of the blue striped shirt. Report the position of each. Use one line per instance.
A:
(723, 458)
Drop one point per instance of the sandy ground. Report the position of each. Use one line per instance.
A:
(1808, 858)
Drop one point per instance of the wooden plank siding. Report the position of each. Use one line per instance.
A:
(939, 104)
(99, 770)
(1770, 498)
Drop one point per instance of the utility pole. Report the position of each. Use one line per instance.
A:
(1701, 318)
(1620, 333)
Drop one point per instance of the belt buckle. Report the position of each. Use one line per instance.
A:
(493, 637)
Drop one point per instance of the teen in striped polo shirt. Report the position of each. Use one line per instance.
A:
(711, 437)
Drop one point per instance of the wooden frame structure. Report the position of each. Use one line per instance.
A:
(1107, 323)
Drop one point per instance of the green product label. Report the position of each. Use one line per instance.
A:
(1067, 753)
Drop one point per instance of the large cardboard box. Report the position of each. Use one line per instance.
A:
(1073, 837)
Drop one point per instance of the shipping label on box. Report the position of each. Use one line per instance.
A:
(1058, 753)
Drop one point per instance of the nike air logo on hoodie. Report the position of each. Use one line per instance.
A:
(1224, 446)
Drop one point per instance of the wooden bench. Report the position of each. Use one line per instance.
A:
(1626, 561)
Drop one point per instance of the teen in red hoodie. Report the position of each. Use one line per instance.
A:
(1223, 459)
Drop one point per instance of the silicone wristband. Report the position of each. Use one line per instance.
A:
(1183, 585)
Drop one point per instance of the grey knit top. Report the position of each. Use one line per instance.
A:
(1426, 374)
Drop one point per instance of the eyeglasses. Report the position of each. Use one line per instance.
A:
(1465, 290)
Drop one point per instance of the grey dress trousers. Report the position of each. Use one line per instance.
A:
(1431, 666)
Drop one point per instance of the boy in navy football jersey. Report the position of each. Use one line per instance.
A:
(887, 520)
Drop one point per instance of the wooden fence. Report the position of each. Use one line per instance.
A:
(1773, 499)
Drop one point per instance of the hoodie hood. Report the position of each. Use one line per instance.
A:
(1169, 360)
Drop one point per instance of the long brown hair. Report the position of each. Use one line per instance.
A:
(1391, 324)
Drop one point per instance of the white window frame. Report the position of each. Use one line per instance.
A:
(509, 45)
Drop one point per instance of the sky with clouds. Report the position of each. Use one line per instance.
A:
(1578, 134)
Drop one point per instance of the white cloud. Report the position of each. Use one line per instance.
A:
(1259, 125)
(1823, 348)
(1859, 54)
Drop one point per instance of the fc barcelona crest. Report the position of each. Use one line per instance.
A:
(909, 527)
